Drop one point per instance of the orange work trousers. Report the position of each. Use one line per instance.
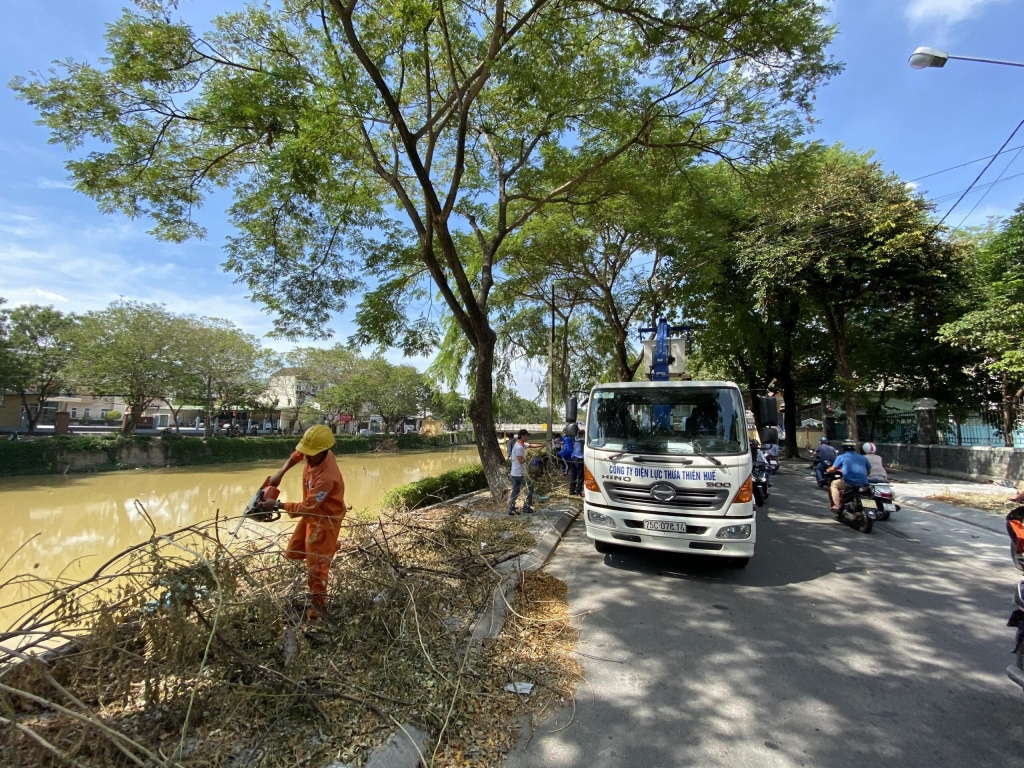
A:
(315, 540)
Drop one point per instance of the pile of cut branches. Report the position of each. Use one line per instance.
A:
(190, 649)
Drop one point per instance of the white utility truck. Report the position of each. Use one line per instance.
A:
(667, 462)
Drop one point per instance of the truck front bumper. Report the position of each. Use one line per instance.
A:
(701, 537)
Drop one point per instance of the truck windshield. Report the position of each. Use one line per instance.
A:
(679, 420)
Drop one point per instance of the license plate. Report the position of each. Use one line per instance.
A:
(664, 526)
(888, 507)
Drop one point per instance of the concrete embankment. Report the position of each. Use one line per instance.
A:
(66, 454)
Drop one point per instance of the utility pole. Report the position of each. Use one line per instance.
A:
(551, 371)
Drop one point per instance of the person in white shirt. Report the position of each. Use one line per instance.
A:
(519, 474)
(877, 468)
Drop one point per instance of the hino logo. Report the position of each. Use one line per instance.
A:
(663, 492)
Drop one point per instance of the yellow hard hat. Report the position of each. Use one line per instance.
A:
(317, 438)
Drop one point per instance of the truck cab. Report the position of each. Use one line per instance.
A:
(667, 466)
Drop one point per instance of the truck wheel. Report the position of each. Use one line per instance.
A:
(738, 562)
(603, 546)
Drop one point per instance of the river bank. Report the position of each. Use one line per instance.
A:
(64, 454)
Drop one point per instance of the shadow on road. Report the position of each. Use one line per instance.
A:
(833, 648)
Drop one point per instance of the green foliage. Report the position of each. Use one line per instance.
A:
(113, 415)
(449, 407)
(994, 330)
(393, 392)
(36, 349)
(46, 455)
(129, 350)
(219, 367)
(431, 490)
(513, 409)
(51, 455)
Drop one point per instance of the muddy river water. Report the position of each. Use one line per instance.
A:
(82, 520)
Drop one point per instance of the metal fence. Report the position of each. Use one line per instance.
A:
(982, 428)
(979, 428)
(886, 427)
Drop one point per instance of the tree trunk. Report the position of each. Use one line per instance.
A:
(32, 420)
(174, 413)
(480, 413)
(790, 316)
(1008, 414)
(208, 427)
(135, 411)
(837, 328)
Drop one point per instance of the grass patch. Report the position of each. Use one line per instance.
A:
(431, 490)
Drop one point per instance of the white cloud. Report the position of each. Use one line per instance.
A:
(944, 11)
(44, 183)
(50, 296)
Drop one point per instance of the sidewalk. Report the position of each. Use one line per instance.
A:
(913, 489)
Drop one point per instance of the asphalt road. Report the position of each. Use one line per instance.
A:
(832, 648)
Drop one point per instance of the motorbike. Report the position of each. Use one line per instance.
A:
(760, 481)
(852, 511)
(1015, 527)
(821, 483)
(773, 464)
(884, 498)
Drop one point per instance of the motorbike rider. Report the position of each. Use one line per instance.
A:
(874, 461)
(823, 455)
(756, 453)
(854, 469)
(772, 450)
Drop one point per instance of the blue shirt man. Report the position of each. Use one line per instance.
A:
(576, 465)
(855, 468)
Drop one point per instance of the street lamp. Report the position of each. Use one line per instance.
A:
(924, 57)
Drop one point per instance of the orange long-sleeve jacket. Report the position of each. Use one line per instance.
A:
(323, 490)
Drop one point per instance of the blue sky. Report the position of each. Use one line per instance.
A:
(55, 248)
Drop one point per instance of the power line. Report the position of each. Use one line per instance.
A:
(978, 177)
(964, 165)
(982, 198)
(951, 195)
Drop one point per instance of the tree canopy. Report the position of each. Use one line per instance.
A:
(412, 138)
(36, 349)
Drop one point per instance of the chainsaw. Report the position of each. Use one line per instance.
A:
(267, 492)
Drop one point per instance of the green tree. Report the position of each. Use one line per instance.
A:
(392, 392)
(36, 349)
(130, 350)
(419, 133)
(449, 407)
(856, 242)
(994, 330)
(514, 409)
(219, 367)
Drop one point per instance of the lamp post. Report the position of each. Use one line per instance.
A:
(924, 57)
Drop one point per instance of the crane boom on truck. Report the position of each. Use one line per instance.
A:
(667, 463)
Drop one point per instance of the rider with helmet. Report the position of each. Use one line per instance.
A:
(874, 461)
(854, 469)
(824, 455)
(756, 453)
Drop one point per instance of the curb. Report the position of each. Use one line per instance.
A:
(954, 512)
(492, 622)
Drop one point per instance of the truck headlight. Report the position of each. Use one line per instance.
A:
(604, 520)
(734, 532)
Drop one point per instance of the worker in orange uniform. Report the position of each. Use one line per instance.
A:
(321, 511)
